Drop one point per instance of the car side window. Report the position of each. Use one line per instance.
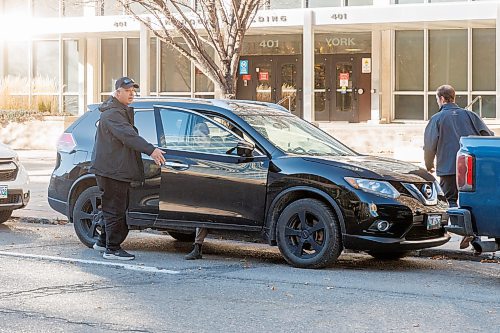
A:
(192, 132)
(145, 123)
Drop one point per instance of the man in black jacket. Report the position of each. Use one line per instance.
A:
(442, 140)
(116, 162)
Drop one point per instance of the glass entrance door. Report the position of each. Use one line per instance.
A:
(265, 90)
(287, 85)
(343, 108)
(275, 79)
(335, 93)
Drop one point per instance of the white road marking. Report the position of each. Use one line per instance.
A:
(149, 269)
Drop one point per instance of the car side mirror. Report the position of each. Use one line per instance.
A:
(243, 149)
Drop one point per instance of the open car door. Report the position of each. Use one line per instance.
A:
(206, 180)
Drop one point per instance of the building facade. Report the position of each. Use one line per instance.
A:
(326, 60)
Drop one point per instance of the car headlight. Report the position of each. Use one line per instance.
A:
(378, 187)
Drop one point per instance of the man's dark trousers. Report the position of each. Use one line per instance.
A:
(114, 204)
(449, 186)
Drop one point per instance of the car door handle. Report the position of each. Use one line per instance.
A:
(176, 165)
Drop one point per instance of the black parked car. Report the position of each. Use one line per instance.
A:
(249, 166)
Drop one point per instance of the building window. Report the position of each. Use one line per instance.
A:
(359, 2)
(324, 3)
(175, 70)
(487, 107)
(279, 4)
(70, 66)
(45, 67)
(72, 8)
(109, 7)
(448, 59)
(202, 82)
(111, 63)
(404, 2)
(17, 59)
(433, 107)
(133, 59)
(16, 7)
(408, 107)
(409, 60)
(45, 8)
(45, 83)
(483, 59)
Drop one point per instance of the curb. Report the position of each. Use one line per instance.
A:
(447, 254)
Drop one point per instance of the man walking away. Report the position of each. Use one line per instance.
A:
(116, 162)
(442, 140)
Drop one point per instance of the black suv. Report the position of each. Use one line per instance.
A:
(253, 167)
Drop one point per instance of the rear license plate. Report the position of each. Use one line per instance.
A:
(3, 191)
(433, 222)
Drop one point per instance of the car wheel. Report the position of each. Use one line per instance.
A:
(388, 255)
(5, 215)
(87, 216)
(182, 237)
(308, 234)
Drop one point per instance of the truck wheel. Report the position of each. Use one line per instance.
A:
(87, 215)
(5, 215)
(308, 234)
(388, 255)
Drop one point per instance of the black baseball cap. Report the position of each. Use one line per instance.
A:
(125, 82)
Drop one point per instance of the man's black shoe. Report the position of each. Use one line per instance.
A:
(195, 254)
(118, 255)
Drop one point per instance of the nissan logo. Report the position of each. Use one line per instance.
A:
(427, 191)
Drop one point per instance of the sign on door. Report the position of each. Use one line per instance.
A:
(344, 79)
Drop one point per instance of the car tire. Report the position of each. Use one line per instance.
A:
(182, 237)
(5, 215)
(308, 234)
(388, 255)
(87, 215)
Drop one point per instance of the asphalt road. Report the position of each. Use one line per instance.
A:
(50, 282)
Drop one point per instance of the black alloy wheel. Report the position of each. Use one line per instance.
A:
(87, 216)
(308, 234)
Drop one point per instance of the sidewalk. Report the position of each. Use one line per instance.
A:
(40, 164)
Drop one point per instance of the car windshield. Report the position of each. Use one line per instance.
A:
(296, 136)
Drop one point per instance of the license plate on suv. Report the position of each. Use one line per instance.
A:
(433, 222)
(4, 191)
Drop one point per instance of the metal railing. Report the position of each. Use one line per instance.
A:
(289, 98)
(471, 104)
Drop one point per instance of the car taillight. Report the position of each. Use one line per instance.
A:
(66, 143)
(465, 172)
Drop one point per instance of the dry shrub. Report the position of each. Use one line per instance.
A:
(14, 94)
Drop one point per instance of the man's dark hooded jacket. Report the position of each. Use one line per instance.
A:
(118, 146)
(442, 136)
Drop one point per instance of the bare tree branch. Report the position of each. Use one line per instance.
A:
(220, 24)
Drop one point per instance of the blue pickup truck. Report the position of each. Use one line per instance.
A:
(478, 181)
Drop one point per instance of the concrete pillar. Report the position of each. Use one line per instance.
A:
(375, 97)
(385, 92)
(497, 63)
(93, 71)
(144, 58)
(308, 64)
